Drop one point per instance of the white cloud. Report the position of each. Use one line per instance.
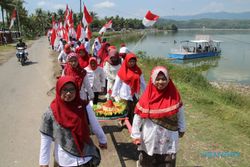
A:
(106, 4)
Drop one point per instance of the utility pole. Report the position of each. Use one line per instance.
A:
(80, 6)
(18, 20)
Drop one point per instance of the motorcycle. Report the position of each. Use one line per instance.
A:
(22, 55)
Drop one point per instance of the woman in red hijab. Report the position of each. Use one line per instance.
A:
(102, 54)
(159, 121)
(129, 83)
(96, 78)
(66, 124)
(73, 68)
(83, 56)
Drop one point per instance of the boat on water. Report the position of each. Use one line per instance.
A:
(201, 46)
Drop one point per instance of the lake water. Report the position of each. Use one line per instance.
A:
(232, 66)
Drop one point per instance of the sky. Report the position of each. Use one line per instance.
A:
(138, 8)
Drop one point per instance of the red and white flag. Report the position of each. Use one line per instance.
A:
(53, 37)
(65, 35)
(71, 31)
(86, 18)
(88, 32)
(13, 18)
(149, 19)
(105, 27)
(70, 18)
(80, 34)
(109, 24)
(54, 23)
(66, 15)
(79, 31)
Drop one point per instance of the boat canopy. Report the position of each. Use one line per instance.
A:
(199, 41)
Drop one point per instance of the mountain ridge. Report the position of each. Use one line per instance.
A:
(212, 15)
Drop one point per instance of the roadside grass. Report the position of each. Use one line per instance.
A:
(5, 48)
(6, 52)
(218, 121)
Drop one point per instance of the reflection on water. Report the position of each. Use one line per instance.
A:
(232, 65)
(207, 61)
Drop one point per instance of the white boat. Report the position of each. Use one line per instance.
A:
(202, 46)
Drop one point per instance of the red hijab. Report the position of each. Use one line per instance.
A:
(94, 60)
(71, 115)
(83, 60)
(156, 103)
(103, 52)
(131, 76)
(67, 49)
(78, 72)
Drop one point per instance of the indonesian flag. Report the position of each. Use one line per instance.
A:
(80, 32)
(149, 19)
(105, 27)
(53, 37)
(13, 18)
(86, 18)
(60, 29)
(88, 32)
(70, 18)
(54, 23)
(72, 32)
(65, 35)
(66, 15)
(60, 25)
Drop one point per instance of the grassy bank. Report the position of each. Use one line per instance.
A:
(218, 121)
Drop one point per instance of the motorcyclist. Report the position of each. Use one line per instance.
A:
(23, 45)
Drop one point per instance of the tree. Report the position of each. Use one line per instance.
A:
(41, 20)
(7, 6)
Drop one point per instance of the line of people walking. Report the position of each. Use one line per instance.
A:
(155, 111)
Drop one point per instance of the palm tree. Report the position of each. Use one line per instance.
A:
(8, 6)
(41, 18)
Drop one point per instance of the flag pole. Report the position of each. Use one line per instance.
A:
(144, 33)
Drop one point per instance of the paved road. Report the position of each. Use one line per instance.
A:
(23, 99)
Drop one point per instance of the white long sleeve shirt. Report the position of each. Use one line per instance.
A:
(63, 157)
(86, 89)
(60, 46)
(62, 57)
(110, 70)
(154, 138)
(96, 78)
(122, 90)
